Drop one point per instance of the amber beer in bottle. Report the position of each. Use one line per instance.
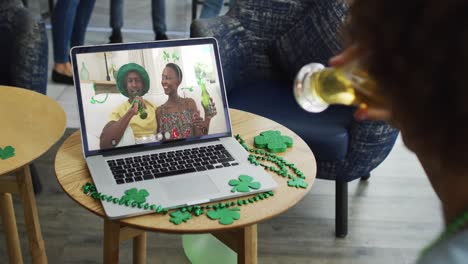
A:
(317, 87)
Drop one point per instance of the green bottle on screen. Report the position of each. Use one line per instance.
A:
(206, 102)
(84, 73)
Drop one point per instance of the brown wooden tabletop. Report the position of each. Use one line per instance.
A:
(30, 122)
(72, 174)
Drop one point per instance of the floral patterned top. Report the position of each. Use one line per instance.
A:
(176, 125)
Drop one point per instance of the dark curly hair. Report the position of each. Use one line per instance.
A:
(418, 55)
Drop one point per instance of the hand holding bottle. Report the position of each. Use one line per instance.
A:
(363, 112)
(139, 106)
(210, 109)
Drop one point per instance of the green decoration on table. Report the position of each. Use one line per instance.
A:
(282, 164)
(225, 215)
(298, 183)
(7, 152)
(273, 141)
(244, 184)
(178, 217)
(135, 195)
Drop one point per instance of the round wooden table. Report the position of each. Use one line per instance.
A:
(31, 124)
(241, 236)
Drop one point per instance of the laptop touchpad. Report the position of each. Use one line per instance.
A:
(187, 188)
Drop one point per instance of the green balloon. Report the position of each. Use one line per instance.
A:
(206, 249)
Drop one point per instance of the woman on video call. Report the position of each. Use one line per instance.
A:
(179, 117)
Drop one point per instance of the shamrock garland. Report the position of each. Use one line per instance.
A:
(135, 195)
(244, 184)
(297, 182)
(282, 165)
(226, 212)
(7, 152)
(178, 217)
(273, 141)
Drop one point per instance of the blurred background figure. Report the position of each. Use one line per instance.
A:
(158, 15)
(69, 22)
(212, 8)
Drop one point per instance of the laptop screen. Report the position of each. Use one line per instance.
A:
(149, 94)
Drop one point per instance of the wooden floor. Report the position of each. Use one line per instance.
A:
(391, 217)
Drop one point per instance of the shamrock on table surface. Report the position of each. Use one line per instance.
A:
(178, 217)
(7, 152)
(135, 195)
(273, 141)
(298, 183)
(225, 215)
(244, 184)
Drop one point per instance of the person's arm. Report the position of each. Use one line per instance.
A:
(200, 126)
(114, 130)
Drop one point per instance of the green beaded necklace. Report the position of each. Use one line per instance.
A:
(453, 228)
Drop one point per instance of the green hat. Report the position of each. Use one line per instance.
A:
(122, 75)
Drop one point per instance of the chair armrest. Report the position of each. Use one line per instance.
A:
(370, 143)
(30, 52)
(233, 47)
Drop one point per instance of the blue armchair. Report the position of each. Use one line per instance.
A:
(24, 54)
(263, 43)
(23, 48)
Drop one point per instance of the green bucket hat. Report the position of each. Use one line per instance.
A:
(122, 74)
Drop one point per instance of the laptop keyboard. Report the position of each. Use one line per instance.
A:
(153, 166)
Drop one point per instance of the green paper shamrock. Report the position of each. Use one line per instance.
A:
(7, 152)
(298, 183)
(135, 195)
(225, 215)
(244, 184)
(178, 217)
(166, 56)
(273, 140)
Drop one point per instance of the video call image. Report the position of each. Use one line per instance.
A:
(150, 95)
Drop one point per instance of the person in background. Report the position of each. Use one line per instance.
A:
(69, 22)
(417, 53)
(212, 8)
(158, 15)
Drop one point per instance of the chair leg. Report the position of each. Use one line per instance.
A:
(194, 9)
(341, 209)
(365, 177)
(36, 181)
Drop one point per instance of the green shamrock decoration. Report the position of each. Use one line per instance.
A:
(298, 183)
(135, 195)
(273, 140)
(225, 215)
(244, 184)
(7, 152)
(166, 56)
(175, 56)
(178, 217)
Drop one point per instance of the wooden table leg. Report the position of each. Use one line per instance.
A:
(111, 241)
(139, 249)
(247, 252)
(31, 218)
(243, 241)
(9, 227)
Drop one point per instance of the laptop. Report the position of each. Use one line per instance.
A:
(183, 165)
